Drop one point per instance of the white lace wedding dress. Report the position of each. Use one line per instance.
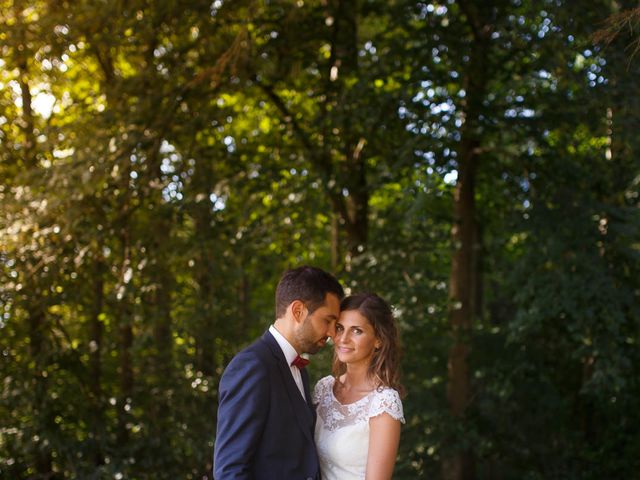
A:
(342, 431)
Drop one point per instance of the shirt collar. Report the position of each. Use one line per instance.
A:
(289, 352)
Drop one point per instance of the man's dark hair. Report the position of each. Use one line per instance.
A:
(307, 284)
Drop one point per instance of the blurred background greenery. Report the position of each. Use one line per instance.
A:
(475, 163)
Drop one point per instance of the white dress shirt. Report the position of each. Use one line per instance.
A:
(290, 355)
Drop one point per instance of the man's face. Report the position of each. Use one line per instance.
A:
(319, 325)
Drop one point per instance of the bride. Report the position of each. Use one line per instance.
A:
(359, 408)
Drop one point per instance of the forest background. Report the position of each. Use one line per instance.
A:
(475, 163)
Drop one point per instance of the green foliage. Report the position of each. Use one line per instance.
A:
(195, 150)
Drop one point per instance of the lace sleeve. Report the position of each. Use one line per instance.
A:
(320, 389)
(387, 401)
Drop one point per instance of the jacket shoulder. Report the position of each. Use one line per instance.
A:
(258, 352)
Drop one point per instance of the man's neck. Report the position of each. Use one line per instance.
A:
(283, 329)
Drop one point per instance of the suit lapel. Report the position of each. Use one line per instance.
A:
(303, 411)
(307, 393)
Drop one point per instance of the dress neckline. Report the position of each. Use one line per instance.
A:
(335, 399)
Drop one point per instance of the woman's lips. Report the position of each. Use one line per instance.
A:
(344, 350)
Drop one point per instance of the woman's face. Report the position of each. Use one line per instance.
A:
(355, 338)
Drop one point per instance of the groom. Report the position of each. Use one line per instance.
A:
(265, 417)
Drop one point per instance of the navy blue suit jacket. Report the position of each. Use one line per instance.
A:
(265, 427)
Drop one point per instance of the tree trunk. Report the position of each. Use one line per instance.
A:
(126, 376)
(357, 207)
(27, 118)
(205, 321)
(204, 325)
(159, 272)
(203, 219)
(337, 158)
(43, 460)
(350, 195)
(335, 242)
(95, 359)
(244, 299)
(27, 121)
(465, 279)
(459, 466)
(160, 300)
(125, 342)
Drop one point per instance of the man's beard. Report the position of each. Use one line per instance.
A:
(306, 338)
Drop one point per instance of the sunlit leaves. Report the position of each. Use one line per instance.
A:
(167, 189)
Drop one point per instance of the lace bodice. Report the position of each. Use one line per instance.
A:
(342, 431)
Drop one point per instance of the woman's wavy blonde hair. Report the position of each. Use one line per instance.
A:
(385, 364)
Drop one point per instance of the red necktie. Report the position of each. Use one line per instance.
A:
(300, 362)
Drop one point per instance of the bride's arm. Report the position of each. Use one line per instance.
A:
(384, 437)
